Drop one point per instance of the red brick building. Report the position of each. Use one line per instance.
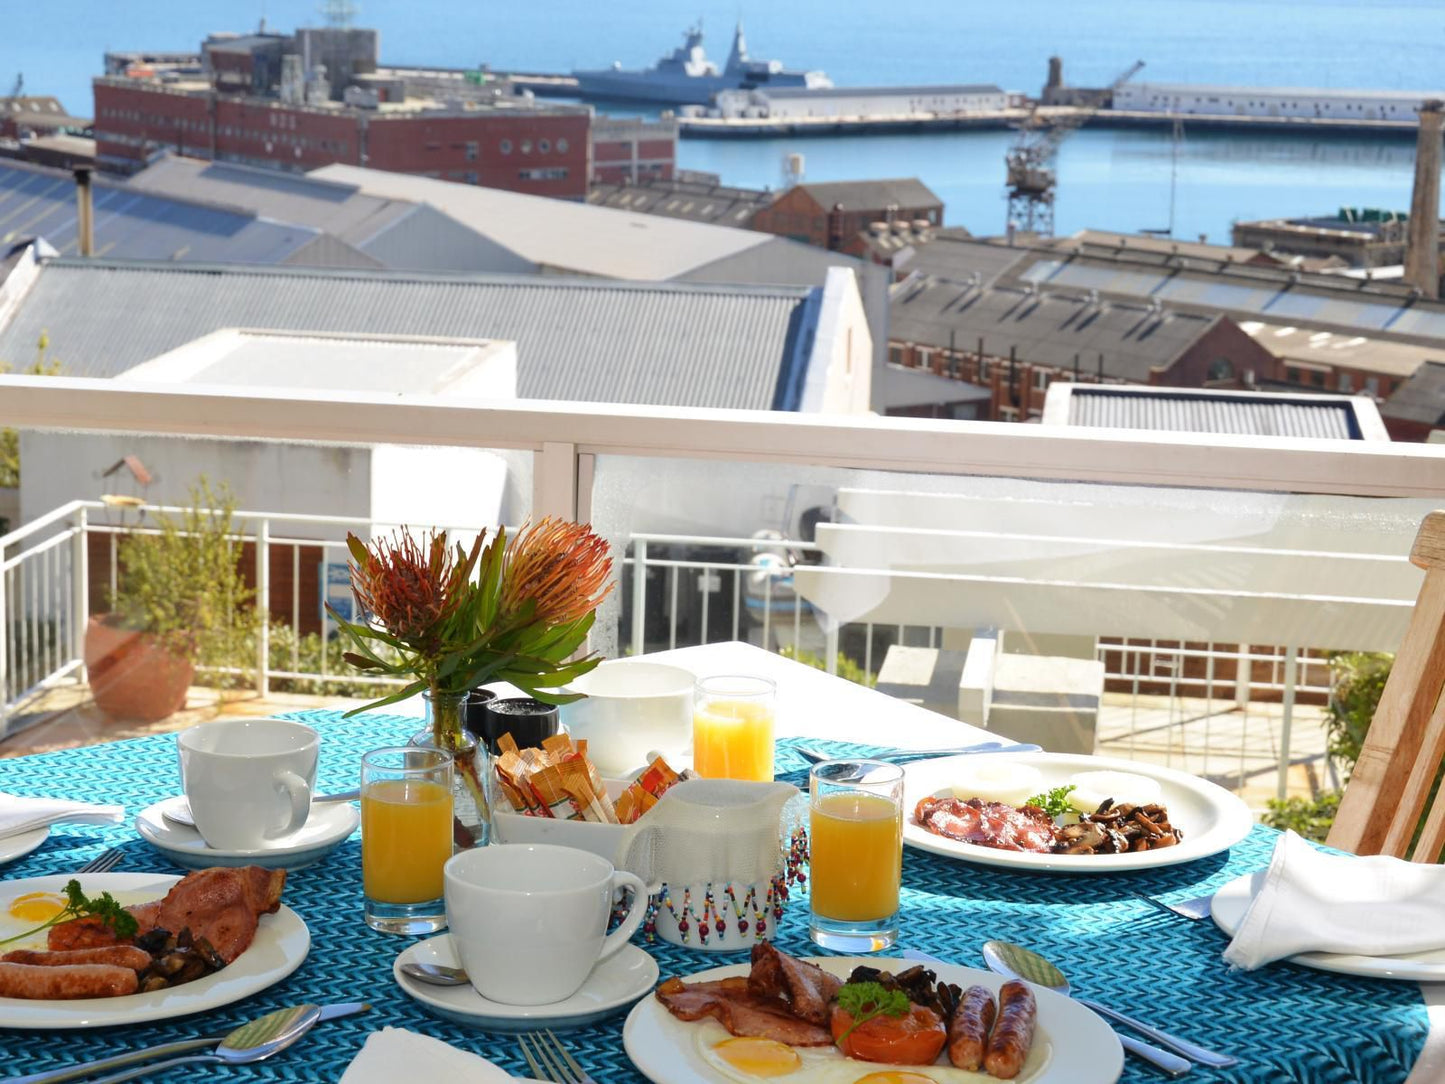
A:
(317, 97)
(542, 152)
(627, 150)
(834, 214)
(1015, 342)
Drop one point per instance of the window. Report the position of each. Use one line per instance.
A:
(545, 146)
(562, 146)
(471, 152)
(1318, 377)
(470, 176)
(1372, 385)
(1346, 381)
(526, 146)
(542, 174)
(895, 355)
(1220, 369)
(1291, 374)
(1041, 379)
(505, 146)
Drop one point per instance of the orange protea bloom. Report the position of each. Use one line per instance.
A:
(411, 589)
(560, 567)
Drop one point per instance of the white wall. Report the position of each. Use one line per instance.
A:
(437, 487)
(1266, 102)
(59, 467)
(881, 103)
(840, 371)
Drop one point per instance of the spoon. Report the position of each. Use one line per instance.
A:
(256, 1041)
(180, 813)
(1020, 963)
(435, 974)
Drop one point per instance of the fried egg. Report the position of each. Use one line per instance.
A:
(994, 779)
(1093, 789)
(748, 1061)
(36, 906)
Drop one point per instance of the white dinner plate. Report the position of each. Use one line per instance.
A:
(22, 843)
(281, 944)
(614, 984)
(326, 828)
(1211, 818)
(1227, 908)
(1071, 1044)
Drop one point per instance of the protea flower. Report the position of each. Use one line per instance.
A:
(411, 589)
(562, 568)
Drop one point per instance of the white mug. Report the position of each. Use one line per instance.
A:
(529, 921)
(248, 781)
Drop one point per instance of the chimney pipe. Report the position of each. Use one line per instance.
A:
(85, 218)
(1422, 250)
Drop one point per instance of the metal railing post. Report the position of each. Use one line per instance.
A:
(639, 595)
(263, 608)
(4, 651)
(80, 589)
(1291, 673)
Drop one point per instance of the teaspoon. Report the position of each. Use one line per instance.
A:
(180, 813)
(435, 974)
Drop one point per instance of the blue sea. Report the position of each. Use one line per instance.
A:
(1108, 179)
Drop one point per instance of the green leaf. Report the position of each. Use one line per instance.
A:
(404, 693)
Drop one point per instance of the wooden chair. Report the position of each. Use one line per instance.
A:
(1390, 788)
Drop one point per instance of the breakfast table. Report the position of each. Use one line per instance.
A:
(1284, 1022)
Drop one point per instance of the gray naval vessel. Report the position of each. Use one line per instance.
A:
(687, 77)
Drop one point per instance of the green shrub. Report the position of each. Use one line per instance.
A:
(847, 668)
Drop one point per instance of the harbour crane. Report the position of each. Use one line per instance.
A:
(19, 86)
(1030, 161)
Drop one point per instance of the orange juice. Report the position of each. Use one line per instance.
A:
(733, 739)
(857, 856)
(406, 838)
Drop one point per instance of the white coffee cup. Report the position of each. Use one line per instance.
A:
(248, 781)
(529, 921)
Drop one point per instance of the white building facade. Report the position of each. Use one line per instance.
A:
(1363, 105)
(786, 102)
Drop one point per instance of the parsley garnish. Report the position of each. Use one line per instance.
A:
(865, 1000)
(1055, 803)
(79, 905)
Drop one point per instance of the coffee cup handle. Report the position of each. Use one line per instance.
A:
(299, 791)
(614, 941)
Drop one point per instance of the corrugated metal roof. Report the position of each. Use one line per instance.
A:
(560, 234)
(1256, 415)
(666, 344)
(37, 202)
(1043, 327)
(340, 209)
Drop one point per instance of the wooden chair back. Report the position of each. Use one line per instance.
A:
(1389, 789)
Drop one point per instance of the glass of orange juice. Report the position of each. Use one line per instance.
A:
(732, 728)
(855, 827)
(406, 837)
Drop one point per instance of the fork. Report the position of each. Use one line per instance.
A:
(1194, 909)
(558, 1065)
(103, 862)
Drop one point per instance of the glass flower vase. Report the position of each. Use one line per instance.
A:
(471, 816)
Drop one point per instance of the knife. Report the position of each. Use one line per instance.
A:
(55, 1076)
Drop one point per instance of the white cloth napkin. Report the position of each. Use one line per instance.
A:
(395, 1054)
(19, 814)
(1316, 902)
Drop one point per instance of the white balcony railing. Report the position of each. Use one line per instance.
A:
(573, 444)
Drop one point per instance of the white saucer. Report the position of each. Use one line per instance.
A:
(613, 985)
(327, 826)
(22, 843)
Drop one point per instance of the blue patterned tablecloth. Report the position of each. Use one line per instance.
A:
(1286, 1023)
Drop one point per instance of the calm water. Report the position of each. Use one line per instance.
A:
(1109, 180)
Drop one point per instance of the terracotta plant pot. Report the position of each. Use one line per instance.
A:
(132, 676)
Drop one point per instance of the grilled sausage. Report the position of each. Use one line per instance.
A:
(1013, 1034)
(115, 955)
(66, 982)
(969, 1028)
